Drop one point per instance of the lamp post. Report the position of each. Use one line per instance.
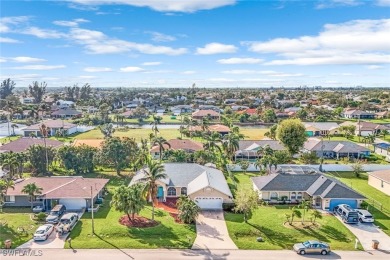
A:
(93, 226)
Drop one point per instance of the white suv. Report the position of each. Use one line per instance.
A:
(365, 216)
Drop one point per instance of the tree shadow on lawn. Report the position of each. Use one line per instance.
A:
(277, 238)
(9, 232)
(114, 246)
(335, 234)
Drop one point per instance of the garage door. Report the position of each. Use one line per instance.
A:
(334, 202)
(73, 204)
(209, 203)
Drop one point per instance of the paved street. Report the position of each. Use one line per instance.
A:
(165, 254)
(211, 232)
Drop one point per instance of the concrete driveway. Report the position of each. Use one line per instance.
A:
(211, 231)
(366, 232)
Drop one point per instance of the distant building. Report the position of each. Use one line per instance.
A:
(357, 114)
(53, 126)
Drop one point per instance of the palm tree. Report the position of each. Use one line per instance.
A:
(188, 210)
(267, 161)
(153, 173)
(13, 126)
(304, 205)
(129, 199)
(156, 121)
(212, 141)
(295, 212)
(204, 124)
(5, 184)
(44, 132)
(160, 141)
(12, 163)
(32, 190)
(384, 133)
(231, 143)
(316, 214)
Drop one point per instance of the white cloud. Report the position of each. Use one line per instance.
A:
(353, 42)
(3, 60)
(336, 3)
(164, 6)
(160, 37)
(374, 67)
(8, 40)
(96, 42)
(263, 72)
(188, 72)
(23, 59)
(385, 3)
(39, 67)
(97, 69)
(5, 22)
(216, 48)
(43, 33)
(87, 77)
(73, 23)
(131, 69)
(152, 63)
(240, 61)
(240, 72)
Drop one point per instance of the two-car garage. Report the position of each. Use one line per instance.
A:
(351, 202)
(73, 204)
(209, 202)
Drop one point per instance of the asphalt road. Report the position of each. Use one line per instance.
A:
(165, 254)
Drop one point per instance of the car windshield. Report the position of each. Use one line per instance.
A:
(40, 231)
(54, 213)
(306, 244)
(65, 221)
(368, 216)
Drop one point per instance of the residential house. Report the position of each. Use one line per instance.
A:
(380, 180)
(27, 100)
(221, 129)
(75, 192)
(187, 145)
(179, 109)
(321, 128)
(206, 186)
(53, 126)
(239, 108)
(62, 104)
(323, 192)
(248, 149)
(382, 114)
(210, 107)
(66, 113)
(357, 114)
(364, 128)
(335, 149)
(249, 111)
(211, 114)
(24, 143)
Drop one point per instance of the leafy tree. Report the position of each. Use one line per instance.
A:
(107, 130)
(315, 215)
(292, 134)
(104, 111)
(5, 184)
(347, 130)
(79, 159)
(309, 158)
(6, 88)
(129, 200)
(357, 168)
(272, 132)
(118, 153)
(32, 190)
(188, 210)
(282, 157)
(35, 154)
(244, 164)
(37, 90)
(302, 114)
(246, 201)
(177, 156)
(269, 116)
(153, 173)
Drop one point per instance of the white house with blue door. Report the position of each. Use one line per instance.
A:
(324, 192)
(207, 186)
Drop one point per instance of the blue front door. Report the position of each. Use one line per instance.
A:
(160, 192)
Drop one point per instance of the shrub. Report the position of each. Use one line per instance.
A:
(41, 216)
(364, 204)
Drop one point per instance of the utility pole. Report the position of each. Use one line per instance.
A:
(93, 226)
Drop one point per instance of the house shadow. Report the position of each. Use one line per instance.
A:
(11, 232)
(207, 254)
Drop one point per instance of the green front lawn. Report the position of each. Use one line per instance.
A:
(268, 222)
(12, 222)
(375, 197)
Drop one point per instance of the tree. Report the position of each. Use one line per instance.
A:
(272, 132)
(230, 143)
(32, 190)
(309, 158)
(6, 88)
(292, 134)
(302, 114)
(35, 154)
(294, 213)
(315, 214)
(384, 133)
(305, 206)
(5, 184)
(118, 153)
(160, 142)
(104, 110)
(348, 130)
(107, 130)
(129, 200)
(246, 201)
(357, 168)
(78, 159)
(244, 165)
(13, 126)
(177, 156)
(282, 157)
(188, 210)
(212, 141)
(45, 132)
(269, 116)
(153, 173)
(37, 90)
(156, 121)
(11, 162)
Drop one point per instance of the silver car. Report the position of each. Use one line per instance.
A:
(365, 216)
(67, 222)
(43, 232)
(312, 247)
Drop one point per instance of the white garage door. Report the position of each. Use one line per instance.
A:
(209, 203)
(73, 204)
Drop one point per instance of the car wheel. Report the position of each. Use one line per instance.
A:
(324, 252)
(361, 220)
(302, 252)
(46, 237)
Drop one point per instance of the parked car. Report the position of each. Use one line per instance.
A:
(38, 209)
(67, 222)
(43, 232)
(55, 214)
(348, 214)
(312, 247)
(365, 216)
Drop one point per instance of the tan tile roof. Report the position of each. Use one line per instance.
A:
(212, 128)
(22, 144)
(96, 143)
(383, 175)
(62, 187)
(205, 112)
(177, 144)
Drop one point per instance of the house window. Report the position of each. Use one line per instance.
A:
(171, 191)
(293, 195)
(299, 196)
(274, 195)
(184, 191)
(10, 199)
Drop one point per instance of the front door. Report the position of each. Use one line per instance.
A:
(160, 192)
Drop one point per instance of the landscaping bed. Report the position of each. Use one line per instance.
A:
(137, 221)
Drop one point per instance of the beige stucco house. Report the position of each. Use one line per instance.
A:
(380, 180)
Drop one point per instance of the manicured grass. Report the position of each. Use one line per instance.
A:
(8, 139)
(13, 218)
(361, 185)
(240, 179)
(267, 222)
(253, 133)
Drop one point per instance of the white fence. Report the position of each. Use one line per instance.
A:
(325, 167)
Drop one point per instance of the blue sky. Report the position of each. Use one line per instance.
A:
(220, 43)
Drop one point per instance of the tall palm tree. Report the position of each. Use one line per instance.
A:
(5, 184)
(156, 121)
(160, 142)
(212, 141)
(230, 143)
(153, 173)
(13, 126)
(32, 190)
(11, 162)
(44, 132)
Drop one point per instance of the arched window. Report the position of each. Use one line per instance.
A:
(293, 195)
(274, 195)
(184, 191)
(299, 196)
(171, 191)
